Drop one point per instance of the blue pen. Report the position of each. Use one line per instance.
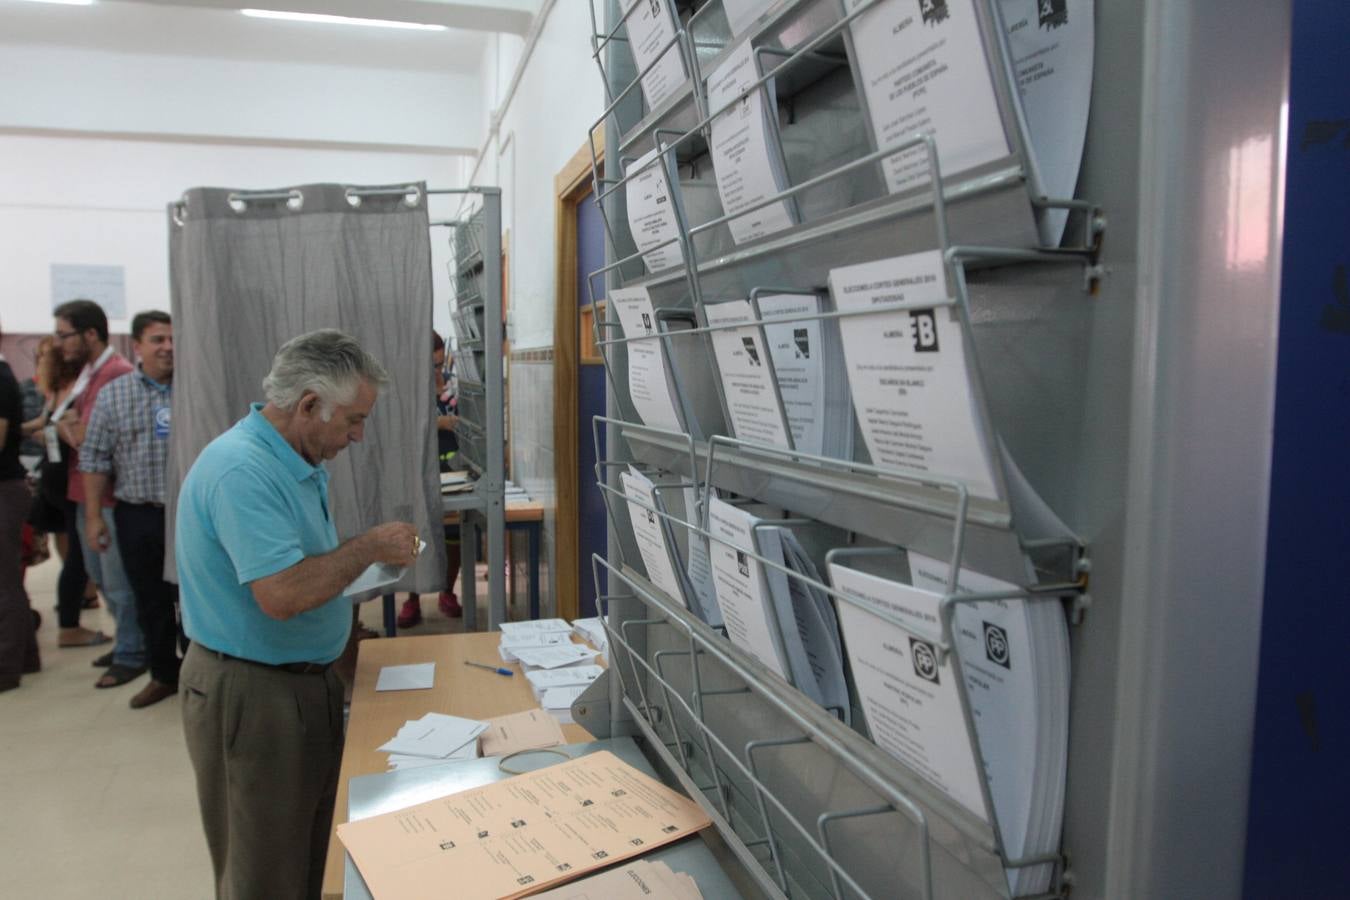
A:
(498, 669)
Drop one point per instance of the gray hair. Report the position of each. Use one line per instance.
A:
(327, 362)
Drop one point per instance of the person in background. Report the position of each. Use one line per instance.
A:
(52, 511)
(410, 613)
(18, 640)
(127, 443)
(82, 336)
(261, 575)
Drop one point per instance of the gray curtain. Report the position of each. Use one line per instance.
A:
(246, 277)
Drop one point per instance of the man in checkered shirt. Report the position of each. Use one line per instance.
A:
(127, 441)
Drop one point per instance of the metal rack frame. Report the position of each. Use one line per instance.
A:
(477, 314)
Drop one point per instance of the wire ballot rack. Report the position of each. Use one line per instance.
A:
(809, 805)
(476, 314)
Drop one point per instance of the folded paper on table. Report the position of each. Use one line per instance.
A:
(414, 677)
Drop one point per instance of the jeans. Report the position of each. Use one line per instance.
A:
(108, 573)
(140, 538)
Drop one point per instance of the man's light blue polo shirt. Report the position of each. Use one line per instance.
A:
(252, 507)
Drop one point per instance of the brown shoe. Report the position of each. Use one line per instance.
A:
(152, 693)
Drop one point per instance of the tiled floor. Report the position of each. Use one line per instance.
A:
(97, 799)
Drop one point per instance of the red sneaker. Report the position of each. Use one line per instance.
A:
(449, 605)
(411, 613)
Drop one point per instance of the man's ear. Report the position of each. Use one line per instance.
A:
(309, 405)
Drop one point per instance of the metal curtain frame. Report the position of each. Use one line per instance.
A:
(487, 507)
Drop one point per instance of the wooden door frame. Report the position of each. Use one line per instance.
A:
(572, 185)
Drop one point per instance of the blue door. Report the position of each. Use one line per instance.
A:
(590, 403)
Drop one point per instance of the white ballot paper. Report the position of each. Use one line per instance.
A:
(910, 702)
(648, 383)
(543, 679)
(912, 389)
(534, 626)
(739, 582)
(592, 631)
(650, 533)
(510, 643)
(434, 735)
(699, 568)
(1051, 48)
(561, 697)
(377, 575)
(417, 676)
(1015, 657)
(798, 351)
(781, 621)
(651, 35)
(553, 657)
(747, 379)
(924, 69)
(743, 13)
(746, 161)
(403, 761)
(651, 212)
(638, 880)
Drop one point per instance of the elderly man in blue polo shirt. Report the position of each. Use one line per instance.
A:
(261, 575)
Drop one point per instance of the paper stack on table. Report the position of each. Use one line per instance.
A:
(633, 881)
(432, 739)
(543, 680)
(553, 657)
(418, 676)
(529, 730)
(592, 631)
(510, 643)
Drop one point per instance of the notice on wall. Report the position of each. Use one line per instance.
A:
(513, 837)
(910, 702)
(747, 381)
(651, 213)
(1051, 47)
(912, 388)
(924, 69)
(651, 34)
(650, 533)
(648, 382)
(746, 161)
(105, 285)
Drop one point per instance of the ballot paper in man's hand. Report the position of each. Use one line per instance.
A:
(377, 575)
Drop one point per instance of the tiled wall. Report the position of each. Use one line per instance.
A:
(531, 434)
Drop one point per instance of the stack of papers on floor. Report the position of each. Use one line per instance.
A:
(1014, 655)
(434, 738)
(633, 881)
(786, 624)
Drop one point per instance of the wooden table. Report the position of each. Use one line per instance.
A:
(459, 690)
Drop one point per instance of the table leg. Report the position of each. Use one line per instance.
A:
(468, 565)
(390, 618)
(534, 531)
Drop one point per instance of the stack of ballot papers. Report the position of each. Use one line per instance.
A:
(542, 644)
(455, 482)
(747, 160)
(432, 739)
(592, 631)
(785, 623)
(797, 386)
(1014, 655)
(632, 881)
(544, 680)
(529, 730)
(528, 833)
(651, 36)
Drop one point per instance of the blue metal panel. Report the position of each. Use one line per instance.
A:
(590, 403)
(1300, 789)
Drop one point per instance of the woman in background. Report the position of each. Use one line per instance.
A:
(53, 513)
(18, 641)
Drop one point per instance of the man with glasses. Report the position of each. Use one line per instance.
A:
(127, 443)
(82, 337)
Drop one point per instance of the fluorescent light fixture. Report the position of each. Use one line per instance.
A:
(329, 20)
(66, 2)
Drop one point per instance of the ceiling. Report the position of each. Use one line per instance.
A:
(215, 29)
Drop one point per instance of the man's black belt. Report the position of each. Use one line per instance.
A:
(295, 668)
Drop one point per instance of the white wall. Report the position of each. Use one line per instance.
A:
(67, 88)
(97, 201)
(560, 95)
